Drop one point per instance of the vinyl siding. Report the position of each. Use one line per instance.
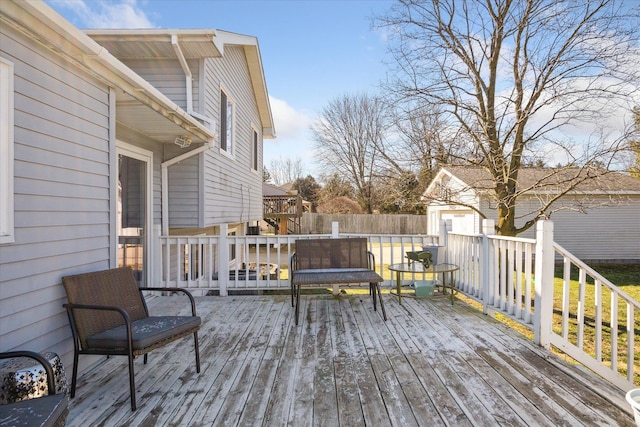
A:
(167, 76)
(603, 233)
(232, 189)
(62, 198)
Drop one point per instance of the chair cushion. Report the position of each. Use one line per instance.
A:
(41, 411)
(146, 332)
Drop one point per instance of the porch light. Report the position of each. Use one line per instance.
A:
(183, 141)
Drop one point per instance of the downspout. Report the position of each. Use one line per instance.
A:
(175, 42)
(164, 168)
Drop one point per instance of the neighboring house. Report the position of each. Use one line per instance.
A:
(282, 208)
(96, 160)
(598, 221)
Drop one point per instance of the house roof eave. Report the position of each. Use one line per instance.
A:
(44, 25)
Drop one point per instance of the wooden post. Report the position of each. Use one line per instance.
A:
(335, 234)
(283, 225)
(544, 274)
(486, 290)
(223, 259)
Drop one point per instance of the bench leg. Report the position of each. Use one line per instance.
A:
(197, 350)
(132, 381)
(297, 303)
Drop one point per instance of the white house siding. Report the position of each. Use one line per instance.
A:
(232, 190)
(167, 76)
(602, 233)
(583, 234)
(62, 197)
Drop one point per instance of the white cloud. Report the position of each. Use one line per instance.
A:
(289, 122)
(106, 13)
(294, 139)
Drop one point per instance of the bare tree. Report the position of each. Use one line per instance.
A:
(347, 136)
(515, 76)
(285, 170)
(634, 145)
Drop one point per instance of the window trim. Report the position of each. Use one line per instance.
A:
(227, 143)
(7, 232)
(254, 144)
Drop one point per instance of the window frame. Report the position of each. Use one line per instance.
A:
(227, 122)
(7, 232)
(255, 143)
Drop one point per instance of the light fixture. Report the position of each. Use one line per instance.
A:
(183, 141)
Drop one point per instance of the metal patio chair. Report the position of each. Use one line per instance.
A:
(109, 316)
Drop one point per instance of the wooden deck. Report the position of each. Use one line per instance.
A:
(430, 364)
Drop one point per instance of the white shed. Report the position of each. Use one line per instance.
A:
(599, 221)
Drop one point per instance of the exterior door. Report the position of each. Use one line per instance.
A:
(134, 211)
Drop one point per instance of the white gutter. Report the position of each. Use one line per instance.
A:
(62, 37)
(175, 42)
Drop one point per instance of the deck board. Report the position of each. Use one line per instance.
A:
(431, 363)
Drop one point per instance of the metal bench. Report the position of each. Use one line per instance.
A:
(333, 261)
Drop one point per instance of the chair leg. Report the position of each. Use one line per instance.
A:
(132, 381)
(197, 350)
(384, 312)
(145, 359)
(74, 374)
(373, 294)
(297, 303)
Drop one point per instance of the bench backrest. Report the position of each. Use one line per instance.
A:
(332, 253)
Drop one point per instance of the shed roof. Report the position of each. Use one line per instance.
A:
(549, 180)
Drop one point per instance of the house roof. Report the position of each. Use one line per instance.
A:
(549, 180)
(192, 44)
(273, 190)
(140, 106)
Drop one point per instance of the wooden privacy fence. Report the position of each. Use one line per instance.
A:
(317, 223)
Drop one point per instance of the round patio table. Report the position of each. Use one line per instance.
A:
(418, 268)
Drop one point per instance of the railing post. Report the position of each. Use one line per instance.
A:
(544, 274)
(443, 237)
(335, 230)
(335, 234)
(223, 259)
(155, 276)
(486, 295)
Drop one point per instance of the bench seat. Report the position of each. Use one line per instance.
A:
(333, 261)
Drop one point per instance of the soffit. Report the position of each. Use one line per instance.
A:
(141, 44)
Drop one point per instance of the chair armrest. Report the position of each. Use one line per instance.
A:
(70, 307)
(372, 260)
(292, 261)
(183, 290)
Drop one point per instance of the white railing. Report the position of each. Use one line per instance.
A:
(512, 276)
(605, 344)
(564, 307)
(219, 264)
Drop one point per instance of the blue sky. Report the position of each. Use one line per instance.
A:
(312, 50)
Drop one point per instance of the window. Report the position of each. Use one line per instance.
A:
(226, 122)
(254, 163)
(6, 152)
